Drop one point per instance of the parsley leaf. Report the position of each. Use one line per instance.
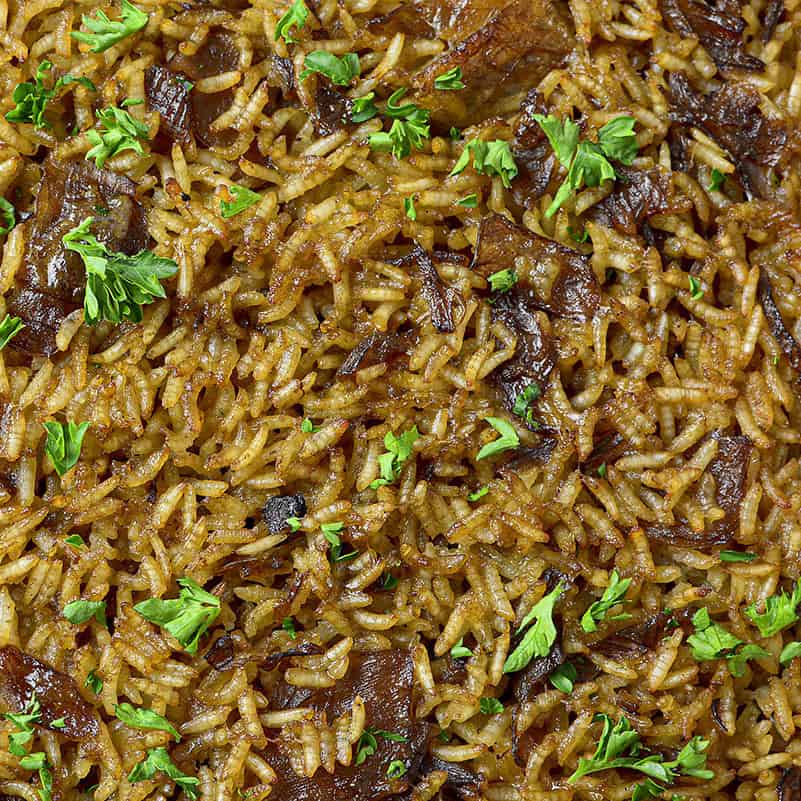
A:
(140, 718)
(696, 292)
(38, 762)
(367, 743)
(505, 442)
(295, 16)
(397, 112)
(396, 769)
(479, 493)
(186, 617)
(408, 206)
(31, 99)
(58, 723)
(106, 32)
(711, 641)
(613, 595)
(539, 638)
(469, 201)
(331, 533)
(132, 101)
(243, 198)
(460, 651)
(562, 135)
(340, 70)
(293, 523)
(716, 180)
(79, 612)
(790, 652)
(454, 133)
(450, 80)
(399, 449)
(94, 682)
(118, 131)
(522, 404)
(489, 158)
(618, 140)
(780, 612)
(24, 722)
(75, 541)
(363, 108)
(63, 444)
(502, 280)
(409, 129)
(117, 285)
(737, 556)
(6, 214)
(158, 760)
(490, 706)
(288, 625)
(307, 427)
(564, 677)
(602, 470)
(9, 328)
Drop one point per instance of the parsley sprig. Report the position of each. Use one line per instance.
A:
(780, 612)
(540, 636)
(340, 70)
(31, 98)
(117, 285)
(7, 216)
(141, 718)
(158, 760)
(489, 158)
(367, 744)
(105, 32)
(613, 595)
(23, 721)
(711, 641)
(409, 129)
(38, 762)
(295, 17)
(242, 198)
(587, 163)
(450, 80)
(508, 438)
(399, 449)
(118, 132)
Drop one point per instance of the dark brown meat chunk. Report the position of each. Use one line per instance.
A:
(22, 676)
(789, 786)
(513, 48)
(637, 195)
(782, 335)
(54, 278)
(574, 294)
(167, 92)
(731, 115)
(730, 470)
(281, 507)
(384, 680)
(377, 348)
(218, 54)
(534, 156)
(332, 109)
(718, 28)
(444, 19)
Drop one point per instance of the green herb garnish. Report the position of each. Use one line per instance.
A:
(367, 743)
(79, 612)
(780, 612)
(711, 641)
(508, 438)
(294, 523)
(540, 637)
(737, 556)
(409, 129)
(339, 70)
(696, 292)
(307, 427)
(503, 280)
(399, 449)
(295, 16)
(716, 180)
(489, 158)
(790, 652)
(75, 541)
(396, 769)
(460, 651)
(140, 718)
(9, 328)
(244, 198)
(490, 706)
(613, 595)
(94, 682)
(331, 533)
(408, 207)
(479, 493)
(106, 32)
(388, 581)
(158, 760)
(8, 216)
(450, 80)
(288, 625)
(564, 677)
(118, 132)
(469, 202)
(63, 444)
(363, 108)
(24, 725)
(522, 405)
(39, 763)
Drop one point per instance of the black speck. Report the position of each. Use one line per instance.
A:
(279, 508)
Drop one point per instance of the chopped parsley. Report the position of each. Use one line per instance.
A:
(243, 198)
(490, 706)
(711, 641)
(564, 677)
(455, 134)
(696, 292)
(489, 158)
(399, 449)
(38, 762)
(508, 438)
(613, 595)
(620, 747)
(186, 617)
(539, 637)
(94, 682)
(132, 101)
(307, 427)
(31, 98)
(587, 163)
(158, 760)
(408, 207)
(522, 404)
(363, 108)
(63, 444)
(23, 721)
(790, 652)
(396, 769)
(737, 556)
(288, 625)
(105, 32)
(450, 80)
(75, 541)
(460, 650)
(58, 723)
(479, 493)
(9, 328)
(295, 17)
(117, 285)
(340, 70)
(469, 201)
(293, 523)
(118, 132)
(140, 718)
(780, 612)
(79, 612)
(502, 280)
(409, 128)
(579, 237)
(388, 581)
(716, 180)
(602, 470)
(367, 743)
(331, 533)
(8, 216)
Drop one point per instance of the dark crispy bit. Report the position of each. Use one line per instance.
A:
(637, 195)
(516, 45)
(23, 676)
(531, 680)
(535, 356)
(634, 640)
(731, 115)
(167, 93)
(221, 655)
(272, 661)
(217, 54)
(534, 156)
(773, 13)
(464, 783)
(332, 109)
(608, 448)
(729, 469)
(279, 508)
(718, 28)
(384, 680)
(445, 19)
(782, 335)
(54, 278)
(574, 294)
(377, 348)
(789, 786)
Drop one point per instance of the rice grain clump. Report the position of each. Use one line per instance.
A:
(400, 400)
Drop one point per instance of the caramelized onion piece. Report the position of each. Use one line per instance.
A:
(782, 335)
